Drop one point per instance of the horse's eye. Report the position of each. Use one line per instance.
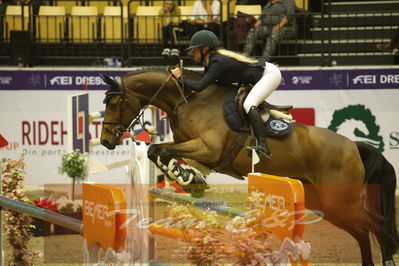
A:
(113, 106)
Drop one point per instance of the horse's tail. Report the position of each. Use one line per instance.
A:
(381, 176)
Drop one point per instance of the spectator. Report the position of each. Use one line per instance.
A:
(277, 22)
(389, 46)
(170, 15)
(205, 15)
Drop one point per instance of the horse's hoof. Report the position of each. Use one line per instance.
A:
(390, 262)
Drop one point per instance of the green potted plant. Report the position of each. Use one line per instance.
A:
(75, 165)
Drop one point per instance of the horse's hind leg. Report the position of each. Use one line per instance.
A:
(313, 202)
(362, 238)
(343, 207)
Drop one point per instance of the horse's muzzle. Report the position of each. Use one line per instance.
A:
(107, 144)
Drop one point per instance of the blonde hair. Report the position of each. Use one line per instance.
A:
(237, 56)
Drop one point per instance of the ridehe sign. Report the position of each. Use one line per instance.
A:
(78, 136)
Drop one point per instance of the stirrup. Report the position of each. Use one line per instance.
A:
(261, 151)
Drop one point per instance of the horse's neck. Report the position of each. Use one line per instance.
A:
(152, 88)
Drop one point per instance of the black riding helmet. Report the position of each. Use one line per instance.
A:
(204, 38)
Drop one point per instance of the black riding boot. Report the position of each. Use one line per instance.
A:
(257, 125)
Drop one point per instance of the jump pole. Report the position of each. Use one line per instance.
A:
(198, 203)
(102, 218)
(281, 195)
(43, 214)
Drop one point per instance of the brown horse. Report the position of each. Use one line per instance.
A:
(352, 183)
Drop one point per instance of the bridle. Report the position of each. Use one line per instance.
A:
(121, 91)
(121, 128)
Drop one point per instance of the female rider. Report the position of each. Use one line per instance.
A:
(227, 67)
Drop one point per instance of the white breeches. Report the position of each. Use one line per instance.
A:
(264, 87)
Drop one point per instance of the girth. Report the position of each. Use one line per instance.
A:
(225, 165)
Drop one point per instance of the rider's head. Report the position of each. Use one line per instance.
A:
(201, 43)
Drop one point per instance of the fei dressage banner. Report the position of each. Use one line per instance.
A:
(361, 103)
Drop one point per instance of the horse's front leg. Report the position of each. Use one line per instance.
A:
(164, 156)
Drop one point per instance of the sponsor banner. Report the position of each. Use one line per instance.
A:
(340, 79)
(54, 79)
(360, 104)
(326, 79)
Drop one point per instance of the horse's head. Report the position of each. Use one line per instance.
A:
(143, 87)
(119, 112)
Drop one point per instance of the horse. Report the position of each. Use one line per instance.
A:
(350, 182)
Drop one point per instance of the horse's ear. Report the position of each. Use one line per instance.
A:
(106, 79)
(113, 86)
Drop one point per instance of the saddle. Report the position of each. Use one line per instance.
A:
(279, 122)
(265, 106)
(236, 118)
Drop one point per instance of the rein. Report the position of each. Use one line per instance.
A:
(180, 89)
(140, 117)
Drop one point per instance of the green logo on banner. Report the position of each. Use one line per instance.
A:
(361, 122)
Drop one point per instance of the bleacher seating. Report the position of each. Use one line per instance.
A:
(13, 19)
(147, 24)
(185, 12)
(83, 24)
(67, 4)
(255, 10)
(345, 31)
(50, 24)
(100, 5)
(111, 25)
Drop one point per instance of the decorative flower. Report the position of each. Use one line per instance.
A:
(45, 203)
(66, 205)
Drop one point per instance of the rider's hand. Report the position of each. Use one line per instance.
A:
(176, 72)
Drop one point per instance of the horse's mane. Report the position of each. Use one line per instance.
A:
(191, 74)
(187, 72)
(144, 70)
